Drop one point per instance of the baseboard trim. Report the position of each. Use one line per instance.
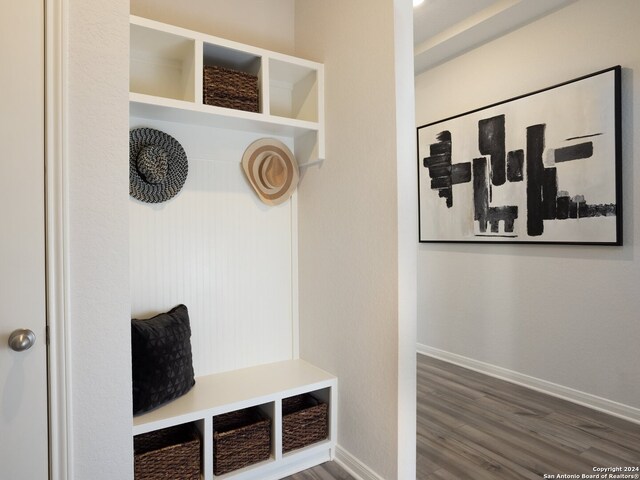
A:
(354, 466)
(620, 410)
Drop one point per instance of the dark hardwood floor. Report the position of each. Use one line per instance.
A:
(472, 426)
(326, 471)
(475, 427)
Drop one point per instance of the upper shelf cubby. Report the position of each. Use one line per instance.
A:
(166, 82)
(161, 64)
(229, 58)
(294, 90)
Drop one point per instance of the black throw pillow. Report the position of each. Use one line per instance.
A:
(161, 359)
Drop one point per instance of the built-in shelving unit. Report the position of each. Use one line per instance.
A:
(166, 84)
(263, 386)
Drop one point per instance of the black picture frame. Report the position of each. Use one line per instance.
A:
(539, 168)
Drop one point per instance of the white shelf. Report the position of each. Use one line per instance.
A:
(264, 386)
(166, 84)
(228, 391)
(148, 106)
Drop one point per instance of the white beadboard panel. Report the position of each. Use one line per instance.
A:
(219, 250)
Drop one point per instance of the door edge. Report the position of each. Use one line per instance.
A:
(56, 215)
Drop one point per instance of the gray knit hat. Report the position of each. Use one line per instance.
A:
(157, 165)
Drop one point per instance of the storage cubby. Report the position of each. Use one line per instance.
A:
(233, 59)
(173, 451)
(161, 64)
(238, 77)
(293, 90)
(242, 439)
(305, 420)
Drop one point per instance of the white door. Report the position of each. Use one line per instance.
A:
(23, 374)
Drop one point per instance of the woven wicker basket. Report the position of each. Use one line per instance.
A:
(304, 421)
(168, 454)
(228, 88)
(240, 438)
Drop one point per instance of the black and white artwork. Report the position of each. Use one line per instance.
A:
(539, 168)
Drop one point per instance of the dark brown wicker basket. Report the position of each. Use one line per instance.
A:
(304, 421)
(228, 88)
(240, 438)
(168, 454)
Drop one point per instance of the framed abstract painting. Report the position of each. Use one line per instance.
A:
(544, 167)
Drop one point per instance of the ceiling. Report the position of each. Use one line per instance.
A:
(443, 29)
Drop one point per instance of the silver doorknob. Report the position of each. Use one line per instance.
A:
(22, 339)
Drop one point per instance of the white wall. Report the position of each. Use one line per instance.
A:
(98, 239)
(219, 250)
(486, 302)
(263, 23)
(348, 226)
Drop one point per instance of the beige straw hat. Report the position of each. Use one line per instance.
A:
(271, 169)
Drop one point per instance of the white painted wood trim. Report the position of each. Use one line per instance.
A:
(321, 130)
(354, 466)
(185, 111)
(407, 231)
(264, 93)
(207, 447)
(295, 311)
(198, 69)
(60, 428)
(616, 409)
(277, 430)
